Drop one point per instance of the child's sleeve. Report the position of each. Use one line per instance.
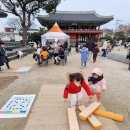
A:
(66, 92)
(87, 89)
(103, 84)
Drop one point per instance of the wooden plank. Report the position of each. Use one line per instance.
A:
(96, 124)
(89, 110)
(45, 113)
(109, 115)
(73, 122)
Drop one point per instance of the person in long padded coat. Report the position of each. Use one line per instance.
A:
(3, 56)
(90, 45)
(84, 56)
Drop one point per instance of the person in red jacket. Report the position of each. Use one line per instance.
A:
(76, 82)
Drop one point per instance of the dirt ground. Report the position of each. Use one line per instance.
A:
(6, 81)
(116, 98)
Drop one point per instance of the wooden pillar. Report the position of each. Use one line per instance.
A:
(77, 37)
(99, 35)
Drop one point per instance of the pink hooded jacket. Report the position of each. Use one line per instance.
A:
(101, 85)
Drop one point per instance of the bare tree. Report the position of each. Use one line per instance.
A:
(15, 23)
(27, 10)
(125, 29)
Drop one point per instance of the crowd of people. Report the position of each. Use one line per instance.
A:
(92, 48)
(57, 51)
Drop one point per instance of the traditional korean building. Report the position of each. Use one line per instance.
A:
(79, 25)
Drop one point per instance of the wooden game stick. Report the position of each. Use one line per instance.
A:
(108, 114)
(96, 124)
(89, 110)
(73, 122)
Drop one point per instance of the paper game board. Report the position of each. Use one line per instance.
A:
(23, 69)
(18, 106)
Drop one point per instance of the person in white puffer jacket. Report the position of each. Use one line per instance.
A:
(104, 49)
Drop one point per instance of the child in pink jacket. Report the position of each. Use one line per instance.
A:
(97, 83)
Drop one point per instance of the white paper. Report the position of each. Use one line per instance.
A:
(18, 106)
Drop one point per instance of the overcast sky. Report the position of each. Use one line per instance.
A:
(119, 8)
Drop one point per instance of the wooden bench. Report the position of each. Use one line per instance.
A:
(73, 122)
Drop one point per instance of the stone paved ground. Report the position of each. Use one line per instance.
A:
(122, 51)
(53, 111)
(116, 98)
(118, 55)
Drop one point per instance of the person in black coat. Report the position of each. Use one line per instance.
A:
(3, 56)
(95, 53)
(65, 45)
(76, 46)
(90, 45)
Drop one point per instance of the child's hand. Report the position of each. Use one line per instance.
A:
(90, 97)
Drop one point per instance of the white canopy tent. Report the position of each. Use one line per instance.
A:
(55, 33)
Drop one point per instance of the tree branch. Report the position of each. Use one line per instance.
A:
(19, 1)
(11, 2)
(27, 2)
(13, 10)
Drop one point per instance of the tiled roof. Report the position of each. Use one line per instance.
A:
(74, 16)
